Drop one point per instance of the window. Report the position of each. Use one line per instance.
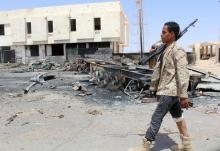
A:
(6, 48)
(73, 24)
(2, 30)
(34, 50)
(81, 45)
(97, 23)
(57, 50)
(99, 45)
(50, 26)
(29, 27)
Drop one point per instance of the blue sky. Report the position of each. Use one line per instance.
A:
(156, 13)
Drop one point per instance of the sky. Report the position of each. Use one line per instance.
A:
(156, 13)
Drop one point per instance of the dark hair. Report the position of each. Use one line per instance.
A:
(173, 26)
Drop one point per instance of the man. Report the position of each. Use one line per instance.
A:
(170, 81)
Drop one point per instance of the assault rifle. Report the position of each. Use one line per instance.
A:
(161, 48)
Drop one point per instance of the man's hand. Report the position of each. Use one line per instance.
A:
(152, 49)
(153, 94)
(184, 103)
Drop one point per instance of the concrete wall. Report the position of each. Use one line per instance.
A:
(217, 49)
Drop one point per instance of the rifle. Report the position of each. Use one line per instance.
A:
(162, 47)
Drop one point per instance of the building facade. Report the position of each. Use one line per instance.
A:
(58, 32)
(206, 50)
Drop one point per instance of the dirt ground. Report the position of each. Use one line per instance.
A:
(52, 117)
(209, 65)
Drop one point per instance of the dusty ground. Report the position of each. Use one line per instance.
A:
(52, 118)
(209, 65)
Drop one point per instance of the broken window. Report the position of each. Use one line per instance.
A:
(34, 49)
(81, 45)
(73, 24)
(99, 45)
(50, 26)
(57, 50)
(104, 45)
(2, 30)
(71, 45)
(6, 48)
(97, 23)
(29, 27)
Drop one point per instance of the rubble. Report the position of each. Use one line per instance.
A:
(94, 112)
(12, 118)
(38, 79)
(55, 113)
(78, 64)
(44, 64)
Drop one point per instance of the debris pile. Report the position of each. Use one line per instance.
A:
(44, 64)
(77, 65)
(101, 54)
(38, 79)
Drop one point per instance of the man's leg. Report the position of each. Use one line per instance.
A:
(165, 103)
(176, 113)
(182, 128)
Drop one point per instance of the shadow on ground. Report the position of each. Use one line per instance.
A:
(163, 141)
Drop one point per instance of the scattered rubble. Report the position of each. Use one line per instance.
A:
(82, 112)
(94, 112)
(44, 64)
(25, 123)
(12, 118)
(38, 79)
(76, 65)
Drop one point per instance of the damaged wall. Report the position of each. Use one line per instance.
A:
(206, 50)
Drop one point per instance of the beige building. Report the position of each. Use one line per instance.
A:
(206, 50)
(57, 32)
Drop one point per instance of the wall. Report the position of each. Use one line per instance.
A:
(114, 28)
(113, 22)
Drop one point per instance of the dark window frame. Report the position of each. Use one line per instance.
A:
(57, 50)
(97, 23)
(34, 50)
(72, 24)
(99, 45)
(81, 45)
(50, 26)
(2, 29)
(29, 28)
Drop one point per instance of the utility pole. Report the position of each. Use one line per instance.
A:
(139, 4)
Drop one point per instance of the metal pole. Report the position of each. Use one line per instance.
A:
(141, 39)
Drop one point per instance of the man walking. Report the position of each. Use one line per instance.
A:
(170, 81)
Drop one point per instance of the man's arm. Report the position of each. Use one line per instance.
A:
(155, 78)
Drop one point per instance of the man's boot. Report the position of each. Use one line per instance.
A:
(185, 146)
(144, 147)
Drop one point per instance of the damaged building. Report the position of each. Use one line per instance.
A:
(206, 50)
(60, 33)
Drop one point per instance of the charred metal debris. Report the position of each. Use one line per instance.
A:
(125, 75)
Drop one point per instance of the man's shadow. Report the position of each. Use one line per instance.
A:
(163, 141)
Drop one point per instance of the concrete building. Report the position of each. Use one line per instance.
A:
(58, 32)
(206, 50)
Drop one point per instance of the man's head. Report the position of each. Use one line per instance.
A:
(170, 32)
